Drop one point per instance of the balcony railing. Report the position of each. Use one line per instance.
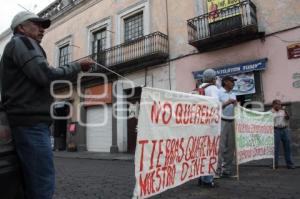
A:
(144, 51)
(222, 24)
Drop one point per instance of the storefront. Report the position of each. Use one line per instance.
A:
(98, 104)
(249, 86)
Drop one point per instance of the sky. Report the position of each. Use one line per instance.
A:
(10, 8)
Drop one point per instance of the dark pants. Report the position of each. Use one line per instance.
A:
(282, 134)
(34, 151)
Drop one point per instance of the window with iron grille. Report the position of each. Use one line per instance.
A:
(98, 45)
(133, 27)
(63, 55)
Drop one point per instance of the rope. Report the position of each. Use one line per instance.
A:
(106, 68)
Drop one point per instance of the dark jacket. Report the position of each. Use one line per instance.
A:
(25, 81)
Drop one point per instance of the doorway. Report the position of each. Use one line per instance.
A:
(60, 126)
(132, 115)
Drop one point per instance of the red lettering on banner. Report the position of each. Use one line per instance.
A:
(190, 149)
(167, 109)
(160, 152)
(164, 175)
(212, 146)
(216, 115)
(195, 168)
(184, 171)
(195, 156)
(159, 179)
(184, 113)
(212, 162)
(152, 153)
(155, 112)
(174, 151)
(254, 128)
(178, 114)
(142, 142)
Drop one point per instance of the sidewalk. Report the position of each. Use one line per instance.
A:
(94, 155)
(130, 157)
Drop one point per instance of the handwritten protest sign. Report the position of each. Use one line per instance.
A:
(178, 138)
(254, 135)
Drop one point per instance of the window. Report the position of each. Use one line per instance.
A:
(133, 27)
(98, 45)
(133, 22)
(99, 41)
(64, 53)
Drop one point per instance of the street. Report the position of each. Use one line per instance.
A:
(105, 179)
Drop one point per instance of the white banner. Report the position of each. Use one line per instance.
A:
(254, 135)
(178, 140)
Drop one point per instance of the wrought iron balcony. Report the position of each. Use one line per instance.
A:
(145, 51)
(224, 27)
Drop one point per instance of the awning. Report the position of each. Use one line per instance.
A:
(246, 67)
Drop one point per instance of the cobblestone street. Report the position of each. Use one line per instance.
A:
(105, 179)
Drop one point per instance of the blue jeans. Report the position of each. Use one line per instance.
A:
(283, 135)
(34, 151)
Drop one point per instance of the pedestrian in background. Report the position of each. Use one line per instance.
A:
(281, 118)
(227, 138)
(26, 77)
(210, 89)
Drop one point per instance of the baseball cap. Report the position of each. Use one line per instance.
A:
(228, 78)
(28, 16)
(209, 74)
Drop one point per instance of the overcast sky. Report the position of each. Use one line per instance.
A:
(9, 8)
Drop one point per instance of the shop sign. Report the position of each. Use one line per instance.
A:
(235, 69)
(293, 51)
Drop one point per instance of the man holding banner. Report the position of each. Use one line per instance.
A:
(210, 88)
(227, 140)
(281, 133)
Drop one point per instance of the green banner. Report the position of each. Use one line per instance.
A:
(254, 135)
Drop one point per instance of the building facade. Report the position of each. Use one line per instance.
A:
(167, 44)
(4, 39)
(122, 36)
(257, 42)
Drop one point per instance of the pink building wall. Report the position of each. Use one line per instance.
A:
(277, 78)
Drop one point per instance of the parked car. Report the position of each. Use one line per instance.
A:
(10, 174)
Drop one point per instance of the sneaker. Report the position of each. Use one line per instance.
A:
(209, 185)
(217, 176)
(205, 184)
(226, 175)
(290, 166)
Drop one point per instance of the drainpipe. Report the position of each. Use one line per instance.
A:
(114, 147)
(169, 66)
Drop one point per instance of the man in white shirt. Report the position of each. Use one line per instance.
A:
(210, 89)
(227, 139)
(281, 133)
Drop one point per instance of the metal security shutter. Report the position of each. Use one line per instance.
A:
(99, 138)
